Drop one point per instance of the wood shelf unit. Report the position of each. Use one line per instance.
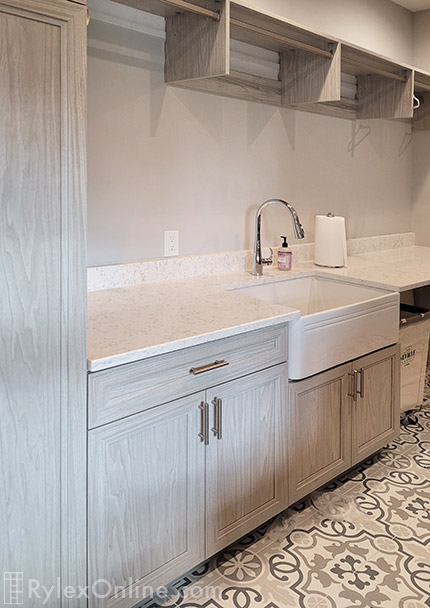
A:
(168, 8)
(198, 35)
(421, 121)
(384, 88)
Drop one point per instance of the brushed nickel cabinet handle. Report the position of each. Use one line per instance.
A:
(217, 428)
(353, 377)
(219, 418)
(204, 423)
(208, 367)
(361, 391)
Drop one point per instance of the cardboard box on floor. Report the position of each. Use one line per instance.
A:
(414, 349)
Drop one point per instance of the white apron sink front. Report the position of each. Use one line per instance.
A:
(339, 321)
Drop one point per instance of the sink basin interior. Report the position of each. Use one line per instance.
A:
(312, 294)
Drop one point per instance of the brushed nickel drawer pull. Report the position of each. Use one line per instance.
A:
(361, 391)
(353, 377)
(208, 367)
(204, 423)
(217, 428)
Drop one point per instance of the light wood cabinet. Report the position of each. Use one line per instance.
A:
(341, 416)
(128, 389)
(43, 288)
(319, 426)
(172, 485)
(146, 493)
(376, 410)
(246, 472)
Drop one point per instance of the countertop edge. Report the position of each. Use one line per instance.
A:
(389, 271)
(95, 365)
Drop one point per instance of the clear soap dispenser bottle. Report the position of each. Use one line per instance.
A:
(285, 255)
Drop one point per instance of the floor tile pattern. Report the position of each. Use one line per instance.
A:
(361, 542)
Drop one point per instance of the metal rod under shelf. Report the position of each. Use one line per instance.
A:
(280, 38)
(374, 70)
(422, 85)
(192, 8)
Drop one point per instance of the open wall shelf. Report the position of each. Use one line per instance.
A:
(311, 65)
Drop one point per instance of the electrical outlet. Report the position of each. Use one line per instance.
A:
(171, 242)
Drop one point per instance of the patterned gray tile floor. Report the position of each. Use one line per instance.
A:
(361, 542)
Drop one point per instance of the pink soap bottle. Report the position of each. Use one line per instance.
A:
(285, 256)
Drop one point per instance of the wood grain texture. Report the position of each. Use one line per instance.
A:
(146, 499)
(319, 436)
(279, 42)
(269, 31)
(240, 86)
(42, 306)
(247, 469)
(309, 78)
(421, 120)
(381, 97)
(345, 108)
(167, 9)
(421, 81)
(376, 417)
(196, 46)
(360, 62)
(121, 391)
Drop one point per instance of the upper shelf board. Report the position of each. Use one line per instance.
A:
(167, 8)
(422, 81)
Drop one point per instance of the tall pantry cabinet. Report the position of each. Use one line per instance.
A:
(42, 296)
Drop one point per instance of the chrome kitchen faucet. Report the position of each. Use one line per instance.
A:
(257, 260)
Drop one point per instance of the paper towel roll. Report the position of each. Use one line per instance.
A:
(330, 241)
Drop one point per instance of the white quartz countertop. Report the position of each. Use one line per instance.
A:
(133, 323)
(399, 269)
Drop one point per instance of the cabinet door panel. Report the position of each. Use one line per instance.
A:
(146, 497)
(376, 415)
(246, 468)
(42, 297)
(319, 430)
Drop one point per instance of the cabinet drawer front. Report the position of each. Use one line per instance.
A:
(128, 389)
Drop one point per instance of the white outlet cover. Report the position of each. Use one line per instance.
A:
(171, 243)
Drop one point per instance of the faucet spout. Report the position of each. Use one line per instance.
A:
(257, 260)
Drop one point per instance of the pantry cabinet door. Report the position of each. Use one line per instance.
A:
(376, 412)
(319, 430)
(42, 298)
(246, 478)
(146, 500)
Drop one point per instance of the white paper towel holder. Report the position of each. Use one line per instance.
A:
(343, 253)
